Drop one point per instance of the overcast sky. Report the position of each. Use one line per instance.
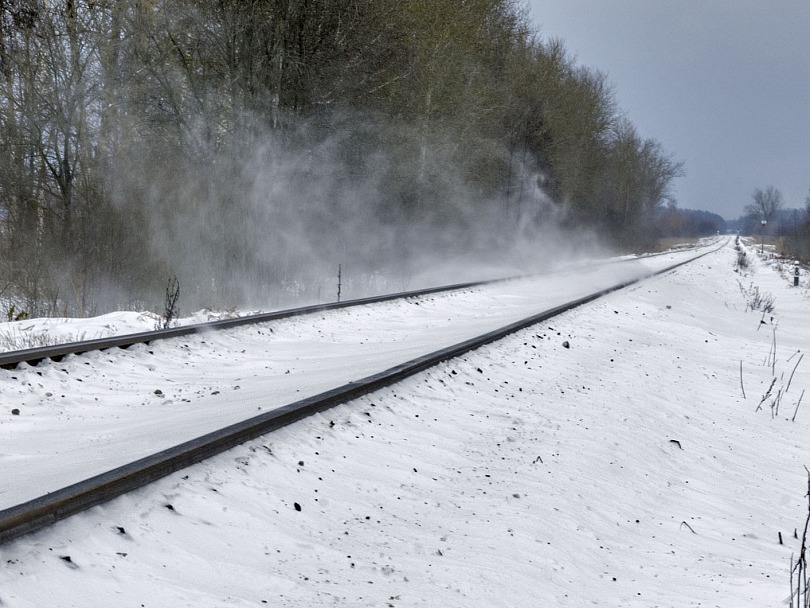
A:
(724, 85)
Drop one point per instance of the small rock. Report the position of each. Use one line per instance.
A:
(566, 344)
(297, 506)
(15, 412)
(67, 559)
(158, 392)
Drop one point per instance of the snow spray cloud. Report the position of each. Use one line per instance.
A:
(266, 217)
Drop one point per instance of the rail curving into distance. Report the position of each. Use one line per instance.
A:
(45, 510)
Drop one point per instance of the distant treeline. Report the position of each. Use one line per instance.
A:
(671, 221)
(790, 228)
(783, 222)
(674, 222)
(245, 141)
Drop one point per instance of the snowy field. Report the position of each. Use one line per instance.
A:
(606, 458)
(88, 414)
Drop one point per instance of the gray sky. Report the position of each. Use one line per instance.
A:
(724, 85)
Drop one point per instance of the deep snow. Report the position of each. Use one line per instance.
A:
(626, 469)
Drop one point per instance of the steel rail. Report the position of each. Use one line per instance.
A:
(40, 512)
(33, 356)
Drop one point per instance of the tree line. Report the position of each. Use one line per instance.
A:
(767, 216)
(234, 142)
(688, 223)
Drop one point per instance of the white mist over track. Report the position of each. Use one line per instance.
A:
(522, 474)
(266, 220)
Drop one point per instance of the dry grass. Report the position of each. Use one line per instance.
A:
(16, 339)
(669, 243)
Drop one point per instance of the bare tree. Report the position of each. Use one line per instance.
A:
(766, 204)
(122, 119)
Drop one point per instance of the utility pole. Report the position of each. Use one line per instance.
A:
(762, 245)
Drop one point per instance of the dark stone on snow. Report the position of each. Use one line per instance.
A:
(69, 561)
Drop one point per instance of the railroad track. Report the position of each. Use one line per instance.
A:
(40, 512)
(33, 356)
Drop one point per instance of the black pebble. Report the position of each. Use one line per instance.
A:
(15, 412)
(566, 344)
(297, 506)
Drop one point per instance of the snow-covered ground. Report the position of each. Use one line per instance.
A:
(624, 469)
(91, 413)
